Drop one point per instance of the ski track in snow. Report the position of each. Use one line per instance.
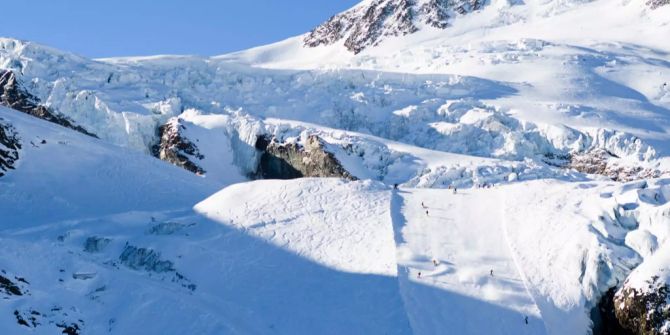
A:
(470, 299)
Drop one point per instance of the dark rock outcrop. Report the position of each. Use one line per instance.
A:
(365, 26)
(292, 160)
(149, 260)
(174, 148)
(644, 312)
(15, 96)
(601, 162)
(653, 4)
(8, 287)
(604, 318)
(96, 244)
(9, 147)
(144, 259)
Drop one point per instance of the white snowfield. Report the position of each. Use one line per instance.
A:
(312, 255)
(99, 235)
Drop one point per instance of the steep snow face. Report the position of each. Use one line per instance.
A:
(125, 101)
(367, 24)
(61, 174)
(15, 96)
(595, 72)
(267, 257)
(580, 240)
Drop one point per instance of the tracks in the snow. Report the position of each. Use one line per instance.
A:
(446, 251)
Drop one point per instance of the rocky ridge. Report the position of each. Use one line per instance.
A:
(15, 96)
(369, 23)
(9, 147)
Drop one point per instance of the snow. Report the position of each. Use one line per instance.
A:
(73, 176)
(467, 243)
(250, 276)
(96, 226)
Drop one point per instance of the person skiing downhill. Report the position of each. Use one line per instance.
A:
(435, 262)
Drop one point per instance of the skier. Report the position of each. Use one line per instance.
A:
(395, 186)
(426, 212)
(491, 272)
(435, 262)
(526, 319)
(419, 275)
(422, 205)
(455, 190)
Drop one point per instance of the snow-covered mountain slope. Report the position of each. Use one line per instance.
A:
(428, 111)
(553, 102)
(275, 257)
(595, 70)
(369, 22)
(62, 174)
(327, 251)
(446, 241)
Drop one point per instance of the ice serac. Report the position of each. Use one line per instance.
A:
(294, 160)
(15, 96)
(9, 147)
(370, 22)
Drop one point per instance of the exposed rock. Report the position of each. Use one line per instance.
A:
(438, 12)
(177, 149)
(95, 244)
(69, 329)
(366, 25)
(8, 287)
(602, 162)
(292, 160)
(644, 311)
(9, 147)
(653, 4)
(168, 228)
(15, 96)
(604, 317)
(150, 260)
(84, 275)
(144, 259)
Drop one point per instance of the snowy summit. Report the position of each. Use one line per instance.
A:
(406, 167)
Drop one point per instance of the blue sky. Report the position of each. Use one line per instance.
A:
(105, 28)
